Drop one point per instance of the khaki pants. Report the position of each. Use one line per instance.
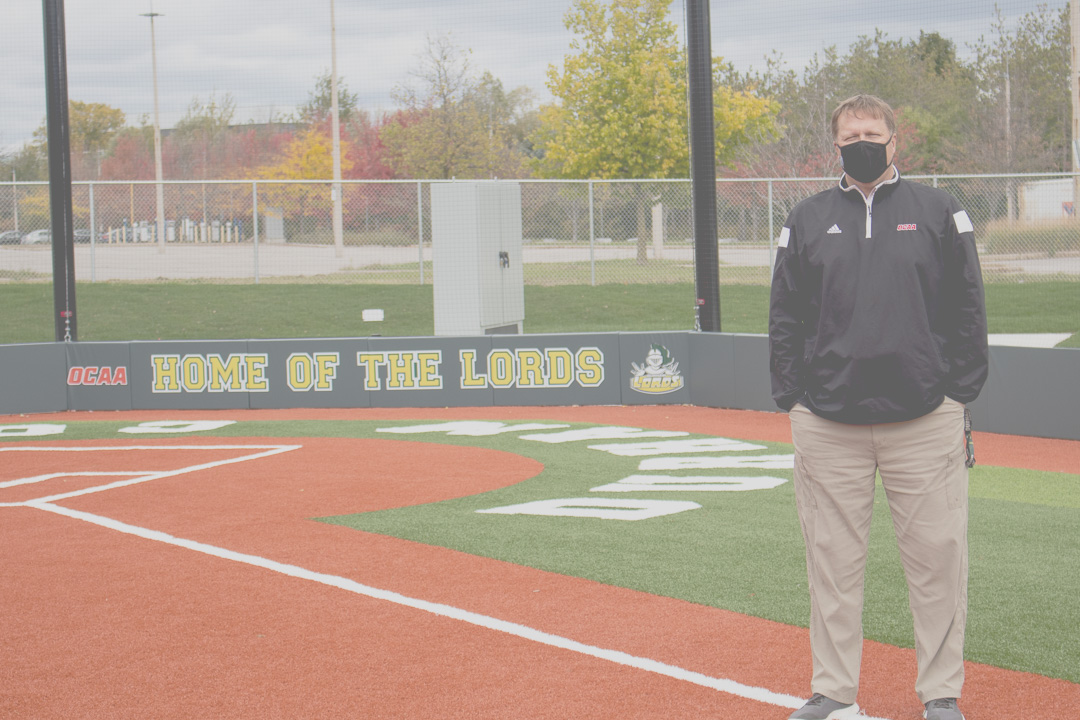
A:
(922, 469)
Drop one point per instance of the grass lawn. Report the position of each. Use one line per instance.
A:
(180, 311)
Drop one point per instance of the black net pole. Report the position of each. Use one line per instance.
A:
(703, 164)
(63, 235)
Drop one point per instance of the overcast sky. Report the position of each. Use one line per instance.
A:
(267, 53)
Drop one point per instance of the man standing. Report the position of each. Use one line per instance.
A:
(877, 339)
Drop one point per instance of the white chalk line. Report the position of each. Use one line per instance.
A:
(52, 476)
(268, 450)
(724, 685)
(730, 687)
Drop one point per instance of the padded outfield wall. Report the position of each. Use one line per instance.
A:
(1030, 391)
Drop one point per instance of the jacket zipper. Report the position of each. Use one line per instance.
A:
(869, 200)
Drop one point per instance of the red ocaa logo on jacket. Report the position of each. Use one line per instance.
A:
(94, 375)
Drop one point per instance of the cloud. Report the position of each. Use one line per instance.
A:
(266, 54)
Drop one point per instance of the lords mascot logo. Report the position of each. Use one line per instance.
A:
(659, 375)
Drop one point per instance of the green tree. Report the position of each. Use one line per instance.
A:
(508, 115)
(922, 79)
(29, 162)
(1005, 110)
(932, 93)
(320, 101)
(1021, 122)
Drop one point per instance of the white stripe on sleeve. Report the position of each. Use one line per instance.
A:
(963, 222)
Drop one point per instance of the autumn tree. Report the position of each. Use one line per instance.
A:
(308, 156)
(199, 137)
(367, 154)
(131, 158)
(92, 130)
(453, 124)
(365, 149)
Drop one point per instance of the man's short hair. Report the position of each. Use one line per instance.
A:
(861, 106)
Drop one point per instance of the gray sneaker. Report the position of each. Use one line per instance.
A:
(820, 707)
(942, 709)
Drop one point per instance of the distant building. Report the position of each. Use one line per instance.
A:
(1046, 200)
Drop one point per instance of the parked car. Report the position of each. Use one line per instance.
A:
(37, 236)
(82, 236)
(11, 237)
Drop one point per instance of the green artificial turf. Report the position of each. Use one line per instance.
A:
(741, 551)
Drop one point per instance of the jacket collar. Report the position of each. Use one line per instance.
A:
(851, 188)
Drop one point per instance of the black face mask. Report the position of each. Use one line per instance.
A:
(864, 161)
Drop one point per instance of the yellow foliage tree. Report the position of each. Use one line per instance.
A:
(308, 156)
(621, 108)
(92, 128)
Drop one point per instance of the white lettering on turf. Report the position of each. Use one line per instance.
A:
(472, 428)
(603, 508)
(603, 432)
(763, 462)
(672, 447)
(690, 483)
(35, 430)
(612, 509)
(176, 426)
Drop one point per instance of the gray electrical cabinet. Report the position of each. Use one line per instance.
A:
(479, 284)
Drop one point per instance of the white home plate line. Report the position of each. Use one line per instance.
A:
(139, 477)
(52, 476)
(724, 685)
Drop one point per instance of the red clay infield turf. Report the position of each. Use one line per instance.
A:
(102, 624)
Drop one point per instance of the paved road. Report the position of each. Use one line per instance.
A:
(237, 261)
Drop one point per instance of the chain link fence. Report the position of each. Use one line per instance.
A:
(575, 232)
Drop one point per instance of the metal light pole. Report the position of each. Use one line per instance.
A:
(1074, 91)
(703, 164)
(157, 136)
(335, 125)
(59, 134)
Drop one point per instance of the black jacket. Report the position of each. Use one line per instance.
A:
(877, 307)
